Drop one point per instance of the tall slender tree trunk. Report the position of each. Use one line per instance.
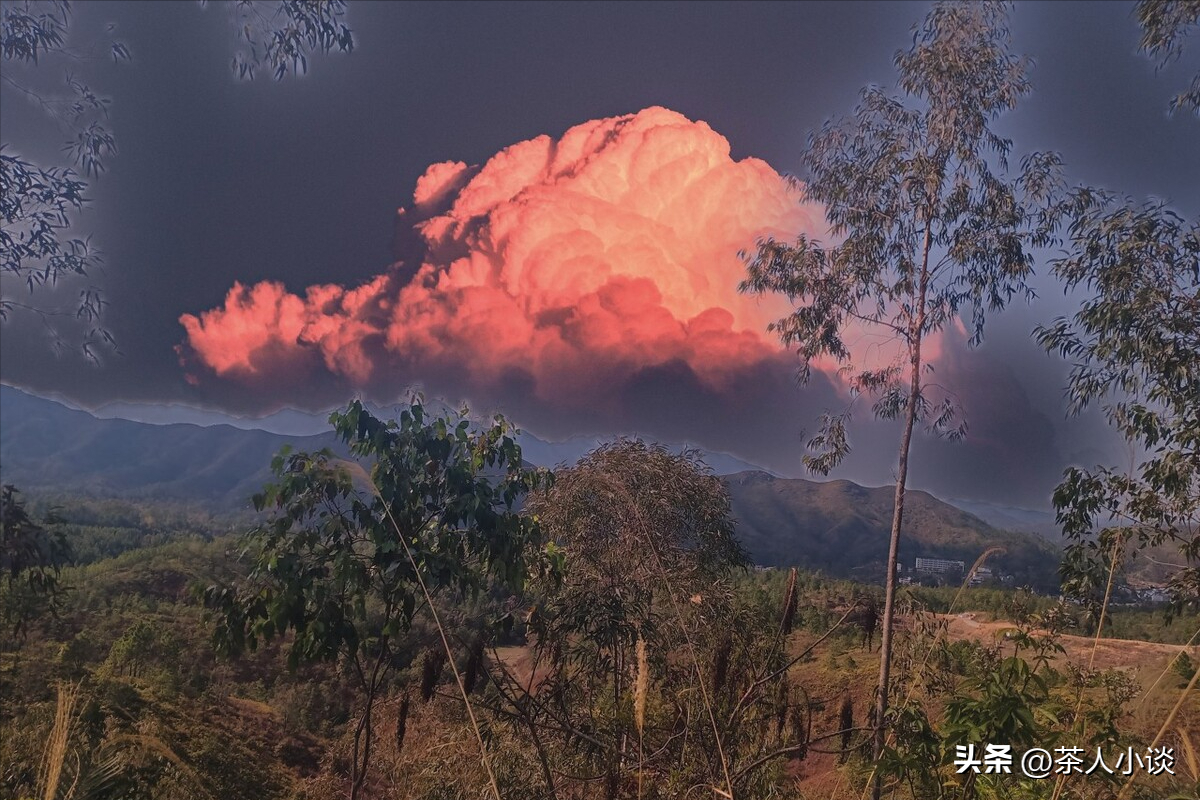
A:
(916, 332)
(365, 730)
(362, 756)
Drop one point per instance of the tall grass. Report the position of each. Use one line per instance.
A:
(55, 755)
(458, 679)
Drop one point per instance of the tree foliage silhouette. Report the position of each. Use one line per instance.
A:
(1134, 350)
(348, 558)
(41, 249)
(1165, 26)
(927, 221)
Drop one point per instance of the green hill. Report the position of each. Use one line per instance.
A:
(842, 528)
(837, 527)
(45, 446)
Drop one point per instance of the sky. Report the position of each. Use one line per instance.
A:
(576, 181)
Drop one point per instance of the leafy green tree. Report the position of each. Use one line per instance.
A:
(31, 562)
(1134, 349)
(1165, 25)
(1024, 698)
(927, 221)
(648, 543)
(348, 559)
(653, 675)
(1184, 667)
(147, 651)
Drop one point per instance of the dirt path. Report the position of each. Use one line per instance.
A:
(1109, 652)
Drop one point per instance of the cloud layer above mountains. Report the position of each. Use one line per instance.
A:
(587, 285)
(586, 280)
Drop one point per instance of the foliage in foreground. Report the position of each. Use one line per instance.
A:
(185, 724)
(348, 557)
(649, 675)
(1134, 350)
(931, 226)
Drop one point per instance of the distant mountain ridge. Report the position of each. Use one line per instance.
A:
(293, 422)
(46, 446)
(837, 526)
(1012, 518)
(843, 528)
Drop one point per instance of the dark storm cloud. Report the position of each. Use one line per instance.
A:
(298, 183)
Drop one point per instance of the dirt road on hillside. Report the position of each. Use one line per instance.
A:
(1110, 653)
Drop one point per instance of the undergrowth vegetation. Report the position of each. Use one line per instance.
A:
(636, 655)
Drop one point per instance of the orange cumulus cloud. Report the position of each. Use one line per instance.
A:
(563, 267)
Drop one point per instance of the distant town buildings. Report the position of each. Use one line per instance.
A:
(938, 566)
(938, 569)
(1152, 594)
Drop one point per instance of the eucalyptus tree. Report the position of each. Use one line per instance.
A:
(927, 222)
(348, 559)
(1134, 349)
(41, 204)
(1165, 25)
(282, 35)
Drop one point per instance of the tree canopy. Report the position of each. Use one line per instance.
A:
(42, 248)
(928, 224)
(348, 557)
(1134, 350)
(31, 560)
(1165, 26)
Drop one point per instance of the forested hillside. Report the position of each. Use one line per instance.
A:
(841, 528)
(838, 527)
(49, 446)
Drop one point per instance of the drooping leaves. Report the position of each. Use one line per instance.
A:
(1134, 350)
(341, 560)
(927, 222)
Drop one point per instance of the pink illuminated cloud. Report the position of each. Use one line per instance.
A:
(564, 271)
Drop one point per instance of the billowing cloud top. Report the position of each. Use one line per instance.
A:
(554, 277)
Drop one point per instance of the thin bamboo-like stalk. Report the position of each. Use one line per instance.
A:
(641, 687)
(991, 551)
(55, 754)
(1167, 668)
(1118, 540)
(704, 694)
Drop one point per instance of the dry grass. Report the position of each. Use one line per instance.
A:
(1146, 662)
(58, 743)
